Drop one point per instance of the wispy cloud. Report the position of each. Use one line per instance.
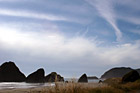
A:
(135, 31)
(131, 16)
(13, 0)
(9, 0)
(58, 49)
(43, 16)
(105, 9)
(46, 43)
(129, 3)
(29, 14)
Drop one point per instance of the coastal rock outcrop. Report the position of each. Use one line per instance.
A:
(54, 77)
(116, 72)
(138, 70)
(131, 76)
(9, 72)
(36, 77)
(83, 79)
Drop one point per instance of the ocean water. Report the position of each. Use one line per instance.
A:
(12, 85)
(76, 80)
(93, 80)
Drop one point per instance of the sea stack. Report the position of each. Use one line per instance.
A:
(83, 79)
(54, 77)
(9, 72)
(36, 77)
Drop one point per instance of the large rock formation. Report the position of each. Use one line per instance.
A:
(83, 79)
(36, 77)
(54, 77)
(116, 72)
(131, 76)
(9, 72)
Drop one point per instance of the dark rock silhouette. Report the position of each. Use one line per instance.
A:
(83, 79)
(54, 77)
(36, 77)
(131, 76)
(60, 78)
(116, 72)
(9, 72)
(138, 70)
(92, 77)
(100, 81)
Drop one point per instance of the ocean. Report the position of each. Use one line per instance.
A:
(13, 85)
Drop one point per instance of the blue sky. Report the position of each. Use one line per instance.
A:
(70, 37)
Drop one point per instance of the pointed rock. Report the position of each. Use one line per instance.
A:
(36, 77)
(9, 72)
(83, 79)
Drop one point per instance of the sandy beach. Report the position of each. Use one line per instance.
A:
(51, 88)
(26, 90)
(132, 87)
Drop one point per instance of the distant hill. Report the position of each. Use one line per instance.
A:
(117, 72)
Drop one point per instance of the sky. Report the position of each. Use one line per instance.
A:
(70, 37)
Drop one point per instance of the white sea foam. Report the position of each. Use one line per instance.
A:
(12, 85)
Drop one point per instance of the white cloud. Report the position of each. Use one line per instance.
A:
(44, 16)
(56, 46)
(55, 51)
(131, 18)
(30, 14)
(32, 44)
(123, 53)
(105, 8)
(9, 0)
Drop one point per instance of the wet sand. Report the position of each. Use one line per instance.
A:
(45, 89)
(26, 90)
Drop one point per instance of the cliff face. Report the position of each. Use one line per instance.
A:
(9, 72)
(116, 72)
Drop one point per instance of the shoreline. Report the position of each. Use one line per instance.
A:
(48, 88)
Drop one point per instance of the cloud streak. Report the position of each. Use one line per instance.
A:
(105, 9)
(30, 14)
(57, 49)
